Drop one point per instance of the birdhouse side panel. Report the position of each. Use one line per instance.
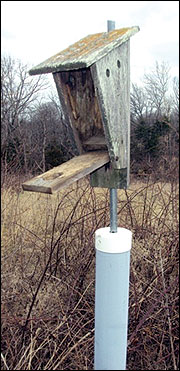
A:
(111, 76)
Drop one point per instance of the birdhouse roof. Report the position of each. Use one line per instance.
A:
(85, 52)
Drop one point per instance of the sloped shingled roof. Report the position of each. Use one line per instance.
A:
(85, 52)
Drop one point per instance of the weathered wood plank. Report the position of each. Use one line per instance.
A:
(85, 52)
(111, 76)
(80, 104)
(67, 112)
(67, 173)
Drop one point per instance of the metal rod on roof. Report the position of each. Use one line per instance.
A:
(110, 25)
(113, 191)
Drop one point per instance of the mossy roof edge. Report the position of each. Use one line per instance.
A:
(85, 52)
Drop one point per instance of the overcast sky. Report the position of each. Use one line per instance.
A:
(33, 31)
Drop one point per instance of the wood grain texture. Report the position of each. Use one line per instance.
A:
(67, 112)
(111, 76)
(80, 105)
(85, 52)
(67, 173)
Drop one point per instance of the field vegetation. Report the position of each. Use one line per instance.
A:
(48, 275)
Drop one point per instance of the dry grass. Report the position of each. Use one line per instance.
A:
(48, 276)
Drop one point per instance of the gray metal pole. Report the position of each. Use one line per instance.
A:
(113, 210)
(113, 191)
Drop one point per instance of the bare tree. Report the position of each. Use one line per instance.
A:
(139, 103)
(155, 118)
(152, 100)
(175, 97)
(156, 85)
(19, 92)
(46, 128)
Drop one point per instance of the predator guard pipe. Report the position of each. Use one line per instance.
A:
(111, 298)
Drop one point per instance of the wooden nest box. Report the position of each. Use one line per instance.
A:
(92, 78)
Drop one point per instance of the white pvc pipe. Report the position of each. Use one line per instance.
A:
(111, 298)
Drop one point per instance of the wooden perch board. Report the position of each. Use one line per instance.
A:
(67, 173)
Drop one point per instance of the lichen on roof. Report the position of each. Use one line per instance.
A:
(85, 52)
